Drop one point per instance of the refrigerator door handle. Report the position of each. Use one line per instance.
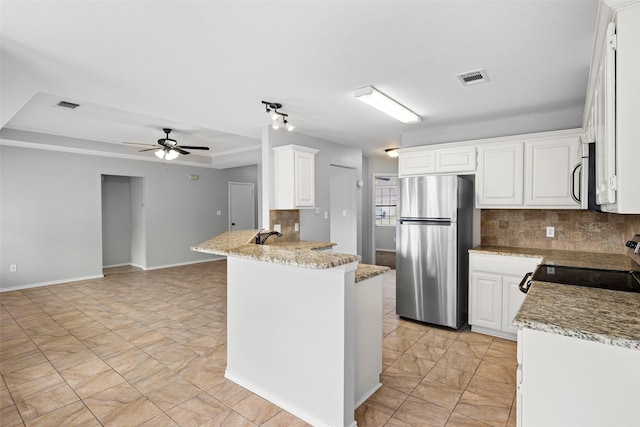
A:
(430, 221)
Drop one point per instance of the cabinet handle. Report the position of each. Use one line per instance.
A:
(577, 168)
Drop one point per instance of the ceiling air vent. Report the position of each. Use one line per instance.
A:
(473, 77)
(69, 105)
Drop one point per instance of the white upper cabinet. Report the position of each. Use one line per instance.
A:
(424, 160)
(294, 177)
(534, 173)
(500, 174)
(417, 162)
(612, 110)
(456, 160)
(548, 174)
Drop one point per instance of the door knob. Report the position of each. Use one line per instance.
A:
(233, 223)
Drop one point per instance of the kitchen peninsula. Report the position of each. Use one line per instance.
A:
(303, 326)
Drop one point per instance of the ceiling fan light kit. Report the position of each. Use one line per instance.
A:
(170, 149)
(167, 154)
(278, 119)
(372, 96)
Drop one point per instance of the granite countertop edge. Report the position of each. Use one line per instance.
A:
(578, 333)
(239, 243)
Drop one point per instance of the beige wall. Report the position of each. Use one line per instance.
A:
(574, 230)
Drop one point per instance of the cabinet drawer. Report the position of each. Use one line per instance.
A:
(502, 264)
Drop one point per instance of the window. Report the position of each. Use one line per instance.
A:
(385, 205)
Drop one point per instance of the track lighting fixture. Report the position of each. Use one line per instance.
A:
(278, 119)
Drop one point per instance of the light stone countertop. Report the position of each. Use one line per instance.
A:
(239, 243)
(600, 315)
(603, 261)
(299, 244)
(367, 271)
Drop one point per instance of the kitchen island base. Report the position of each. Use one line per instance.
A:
(291, 337)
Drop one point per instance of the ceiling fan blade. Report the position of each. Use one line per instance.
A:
(137, 143)
(192, 147)
(180, 150)
(148, 149)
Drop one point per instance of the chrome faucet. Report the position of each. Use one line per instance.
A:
(261, 237)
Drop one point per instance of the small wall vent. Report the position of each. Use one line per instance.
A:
(66, 104)
(473, 77)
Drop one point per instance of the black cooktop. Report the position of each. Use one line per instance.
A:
(628, 281)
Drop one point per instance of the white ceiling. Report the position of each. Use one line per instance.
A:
(202, 67)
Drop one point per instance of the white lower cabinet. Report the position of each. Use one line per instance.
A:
(494, 296)
(567, 381)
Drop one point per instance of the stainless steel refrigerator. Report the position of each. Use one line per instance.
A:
(433, 235)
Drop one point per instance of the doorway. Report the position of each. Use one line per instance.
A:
(123, 230)
(384, 219)
(241, 206)
(342, 210)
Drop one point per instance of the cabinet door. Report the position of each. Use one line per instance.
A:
(512, 299)
(304, 182)
(456, 160)
(486, 300)
(548, 178)
(416, 162)
(500, 175)
(605, 122)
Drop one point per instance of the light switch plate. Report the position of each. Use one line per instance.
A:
(277, 227)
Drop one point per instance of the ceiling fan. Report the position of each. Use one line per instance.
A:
(170, 148)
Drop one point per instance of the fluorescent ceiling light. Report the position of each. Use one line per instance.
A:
(382, 102)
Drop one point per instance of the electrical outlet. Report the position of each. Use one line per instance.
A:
(13, 268)
(296, 227)
(551, 231)
(218, 213)
(326, 215)
(277, 227)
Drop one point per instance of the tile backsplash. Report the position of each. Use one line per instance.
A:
(587, 231)
(287, 220)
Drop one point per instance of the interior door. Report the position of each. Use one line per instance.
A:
(343, 225)
(241, 206)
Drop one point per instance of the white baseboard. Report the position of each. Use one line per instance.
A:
(99, 276)
(284, 404)
(117, 265)
(368, 394)
(494, 333)
(157, 267)
(385, 250)
(52, 282)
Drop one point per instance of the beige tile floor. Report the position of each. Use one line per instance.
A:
(148, 348)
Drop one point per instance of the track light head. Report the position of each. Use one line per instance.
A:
(288, 126)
